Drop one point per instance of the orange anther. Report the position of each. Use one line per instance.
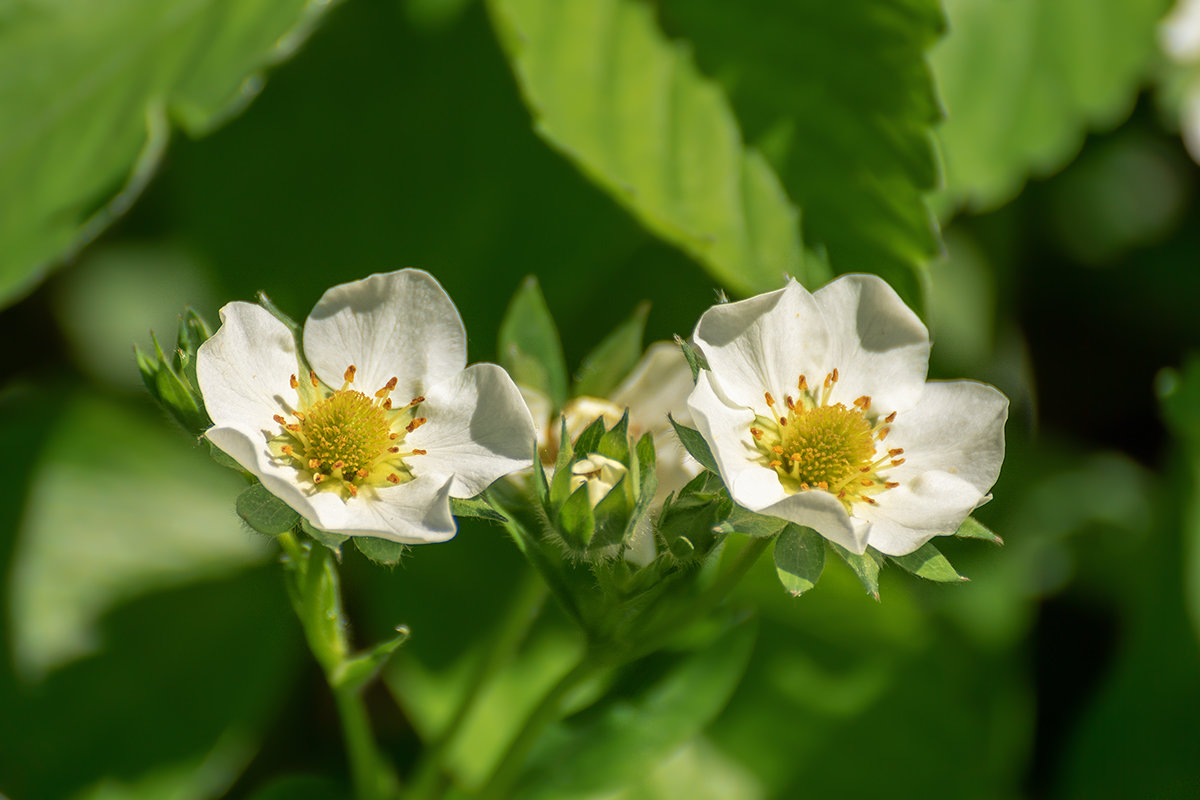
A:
(349, 376)
(863, 402)
(352, 489)
(883, 432)
(293, 382)
(393, 436)
(286, 450)
(416, 423)
(803, 384)
(362, 473)
(778, 450)
(393, 478)
(279, 418)
(318, 477)
(783, 422)
(339, 464)
(823, 485)
(791, 404)
(417, 400)
(897, 462)
(867, 482)
(890, 417)
(835, 375)
(870, 500)
(776, 464)
(293, 428)
(393, 449)
(312, 376)
(895, 451)
(890, 485)
(313, 463)
(419, 452)
(387, 404)
(756, 433)
(770, 400)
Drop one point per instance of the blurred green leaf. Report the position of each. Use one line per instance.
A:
(264, 512)
(92, 92)
(609, 362)
(609, 746)
(529, 345)
(927, 562)
(121, 505)
(799, 558)
(332, 541)
(841, 101)
(629, 108)
(1023, 81)
(302, 787)
(696, 360)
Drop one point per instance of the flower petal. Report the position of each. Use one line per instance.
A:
(478, 429)
(957, 427)
(765, 343)
(245, 367)
(906, 517)
(417, 512)
(879, 346)
(726, 428)
(818, 510)
(396, 324)
(657, 386)
(248, 447)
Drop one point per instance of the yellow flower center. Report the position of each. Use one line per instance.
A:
(343, 440)
(813, 444)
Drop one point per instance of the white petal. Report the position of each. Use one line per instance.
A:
(540, 409)
(417, 512)
(657, 386)
(879, 346)
(765, 343)
(245, 367)
(726, 428)
(907, 516)
(957, 427)
(478, 430)
(815, 509)
(396, 324)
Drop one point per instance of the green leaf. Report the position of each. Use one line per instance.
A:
(748, 523)
(560, 484)
(694, 443)
(1024, 81)
(91, 93)
(301, 787)
(477, 507)
(799, 558)
(332, 541)
(974, 529)
(840, 99)
(529, 345)
(696, 360)
(381, 551)
(264, 512)
(611, 515)
(865, 566)
(611, 746)
(604, 368)
(629, 108)
(589, 440)
(927, 562)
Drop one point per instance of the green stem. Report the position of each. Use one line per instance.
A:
(521, 614)
(547, 711)
(315, 592)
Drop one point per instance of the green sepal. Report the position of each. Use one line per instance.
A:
(865, 566)
(694, 443)
(799, 558)
(171, 390)
(331, 541)
(927, 562)
(357, 671)
(540, 485)
(529, 344)
(560, 484)
(382, 551)
(589, 440)
(264, 512)
(974, 529)
(748, 523)
(611, 515)
(695, 359)
(687, 524)
(278, 314)
(193, 332)
(615, 357)
(614, 443)
(576, 519)
(478, 507)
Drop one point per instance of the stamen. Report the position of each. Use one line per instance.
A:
(293, 382)
(791, 404)
(318, 477)
(287, 450)
(362, 473)
(312, 376)
(393, 449)
(803, 383)
(890, 417)
(387, 387)
(387, 404)
(756, 433)
(776, 463)
(868, 499)
(418, 451)
(352, 489)
(279, 418)
(349, 376)
(783, 422)
(314, 463)
(416, 423)
(897, 462)
(778, 450)
(416, 401)
(863, 402)
(883, 432)
(339, 465)
(393, 478)
(895, 451)
(890, 484)
(293, 428)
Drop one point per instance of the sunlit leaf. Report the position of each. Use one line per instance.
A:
(630, 109)
(799, 558)
(928, 563)
(1024, 81)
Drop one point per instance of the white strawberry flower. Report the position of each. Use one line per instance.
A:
(817, 411)
(379, 422)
